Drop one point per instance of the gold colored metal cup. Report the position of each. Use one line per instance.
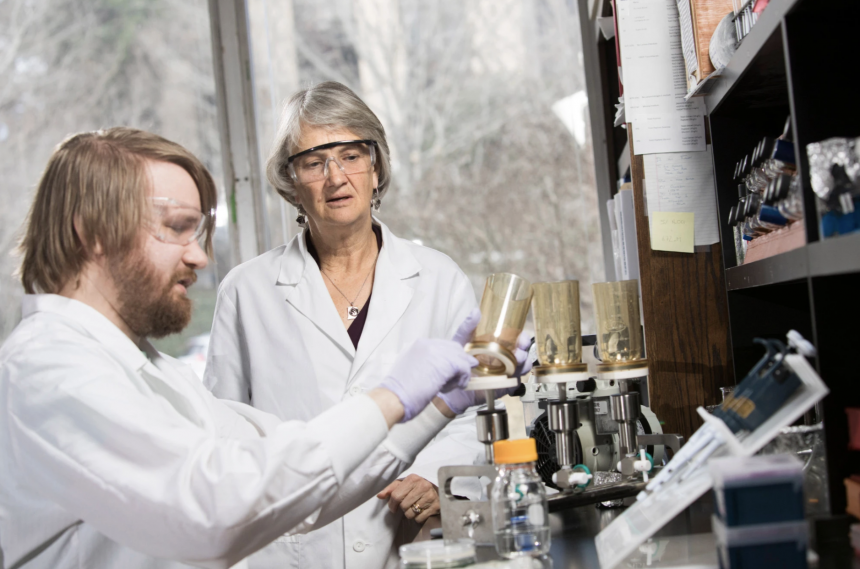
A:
(557, 323)
(619, 332)
(504, 308)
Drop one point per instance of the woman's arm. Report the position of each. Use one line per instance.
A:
(226, 369)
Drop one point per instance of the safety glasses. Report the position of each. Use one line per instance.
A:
(174, 222)
(350, 157)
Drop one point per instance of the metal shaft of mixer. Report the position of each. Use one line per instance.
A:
(624, 409)
(492, 427)
(563, 421)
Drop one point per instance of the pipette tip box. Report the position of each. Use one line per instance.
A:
(758, 489)
(780, 545)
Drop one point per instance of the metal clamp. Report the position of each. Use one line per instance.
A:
(471, 519)
(673, 442)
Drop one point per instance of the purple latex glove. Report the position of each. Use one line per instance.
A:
(464, 332)
(425, 369)
(459, 400)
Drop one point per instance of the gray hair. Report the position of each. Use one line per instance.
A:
(329, 105)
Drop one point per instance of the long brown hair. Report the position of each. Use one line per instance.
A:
(100, 179)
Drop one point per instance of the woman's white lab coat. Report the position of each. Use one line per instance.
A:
(278, 343)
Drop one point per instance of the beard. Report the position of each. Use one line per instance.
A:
(149, 307)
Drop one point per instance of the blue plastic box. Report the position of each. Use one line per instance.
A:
(758, 489)
(780, 546)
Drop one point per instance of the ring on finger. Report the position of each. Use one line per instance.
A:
(416, 508)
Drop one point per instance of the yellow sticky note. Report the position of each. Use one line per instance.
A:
(672, 231)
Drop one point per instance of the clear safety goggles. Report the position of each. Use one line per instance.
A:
(350, 156)
(174, 222)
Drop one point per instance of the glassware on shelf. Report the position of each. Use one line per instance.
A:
(504, 308)
(834, 173)
(737, 231)
(769, 196)
(784, 193)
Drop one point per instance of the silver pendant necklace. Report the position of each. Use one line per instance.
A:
(351, 310)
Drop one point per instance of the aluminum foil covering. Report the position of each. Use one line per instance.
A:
(823, 155)
(807, 444)
(605, 478)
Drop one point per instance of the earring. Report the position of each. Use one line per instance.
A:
(302, 219)
(376, 201)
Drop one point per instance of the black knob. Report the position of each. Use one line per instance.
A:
(586, 386)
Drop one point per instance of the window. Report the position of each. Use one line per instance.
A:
(485, 111)
(70, 66)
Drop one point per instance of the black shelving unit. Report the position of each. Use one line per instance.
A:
(795, 62)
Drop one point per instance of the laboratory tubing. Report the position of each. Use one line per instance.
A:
(519, 504)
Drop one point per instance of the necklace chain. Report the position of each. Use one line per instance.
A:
(364, 282)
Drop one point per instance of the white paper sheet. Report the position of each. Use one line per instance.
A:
(684, 182)
(655, 83)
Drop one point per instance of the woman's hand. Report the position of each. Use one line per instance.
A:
(417, 497)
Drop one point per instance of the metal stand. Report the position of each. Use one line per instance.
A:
(466, 518)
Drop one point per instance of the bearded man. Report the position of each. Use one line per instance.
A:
(114, 455)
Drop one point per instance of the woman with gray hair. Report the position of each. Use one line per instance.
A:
(322, 318)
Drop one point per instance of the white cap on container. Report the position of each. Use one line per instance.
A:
(438, 553)
(734, 472)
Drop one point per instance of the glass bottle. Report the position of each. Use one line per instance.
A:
(787, 198)
(780, 159)
(520, 512)
(740, 243)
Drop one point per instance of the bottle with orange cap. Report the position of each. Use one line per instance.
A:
(520, 513)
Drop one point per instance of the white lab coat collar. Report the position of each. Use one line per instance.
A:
(304, 288)
(92, 321)
(158, 375)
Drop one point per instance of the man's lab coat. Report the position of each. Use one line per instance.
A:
(115, 457)
(278, 344)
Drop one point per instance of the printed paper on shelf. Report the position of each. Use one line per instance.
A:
(655, 79)
(684, 182)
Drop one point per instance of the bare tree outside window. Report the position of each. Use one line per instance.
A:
(484, 169)
(489, 167)
(74, 65)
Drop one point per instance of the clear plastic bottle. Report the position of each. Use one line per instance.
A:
(520, 513)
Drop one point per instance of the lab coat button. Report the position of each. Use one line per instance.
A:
(354, 390)
(358, 546)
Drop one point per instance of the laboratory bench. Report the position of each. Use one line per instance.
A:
(687, 541)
